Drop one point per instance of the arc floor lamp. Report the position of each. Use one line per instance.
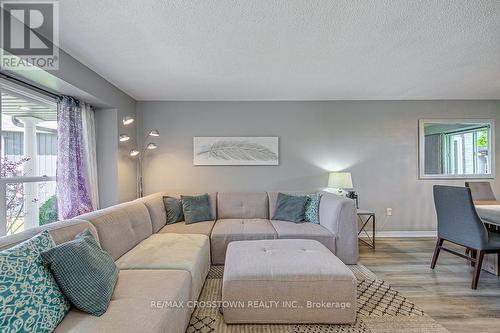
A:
(139, 153)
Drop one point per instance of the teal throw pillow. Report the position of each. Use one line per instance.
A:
(30, 299)
(196, 208)
(86, 274)
(173, 207)
(290, 208)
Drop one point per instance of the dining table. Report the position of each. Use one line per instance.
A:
(489, 212)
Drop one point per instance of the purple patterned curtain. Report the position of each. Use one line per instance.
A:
(73, 195)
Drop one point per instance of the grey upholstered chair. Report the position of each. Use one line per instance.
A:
(481, 191)
(459, 223)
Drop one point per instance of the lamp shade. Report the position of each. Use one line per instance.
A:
(341, 180)
(154, 133)
(127, 120)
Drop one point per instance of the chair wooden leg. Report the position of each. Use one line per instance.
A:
(477, 268)
(473, 254)
(439, 243)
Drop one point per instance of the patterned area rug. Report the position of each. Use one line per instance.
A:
(381, 309)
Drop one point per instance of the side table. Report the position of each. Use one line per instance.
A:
(365, 217)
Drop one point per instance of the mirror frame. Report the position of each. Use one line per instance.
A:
(421, 148)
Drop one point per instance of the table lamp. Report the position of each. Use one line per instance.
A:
(342, 181)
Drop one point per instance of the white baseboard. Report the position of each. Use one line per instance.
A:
(402, 234)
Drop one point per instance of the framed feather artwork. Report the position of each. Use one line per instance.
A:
(236, 150)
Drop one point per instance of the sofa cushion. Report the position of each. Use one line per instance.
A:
(85, 273)
(31, 300)
(121, 227)
(156, 208)
(312, 208)
(290, 208)
(273, 196)
(202, 228)
(228, 230)
(240, 205)
(136, 305)
(61, 231)
(287, 230)
(172, 251)
(173, 208)
(212, 198)
(312, 205)
(196, 208)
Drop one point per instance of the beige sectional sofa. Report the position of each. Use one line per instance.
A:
(248, 216)
(160, 262)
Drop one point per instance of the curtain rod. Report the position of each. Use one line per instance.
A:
(29, 85)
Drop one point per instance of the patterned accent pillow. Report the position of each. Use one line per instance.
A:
(196, 209)
(312, 208)
(173, 207)
(86, 274)
(30, 299)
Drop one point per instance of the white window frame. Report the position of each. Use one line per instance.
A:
(22, 179)
(449, 136)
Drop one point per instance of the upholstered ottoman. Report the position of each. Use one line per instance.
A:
(286, 281)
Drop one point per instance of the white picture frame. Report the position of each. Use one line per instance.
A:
(228, 150)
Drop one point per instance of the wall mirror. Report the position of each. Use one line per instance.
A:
(456, 148)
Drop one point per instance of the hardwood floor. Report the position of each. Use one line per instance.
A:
(444, 293)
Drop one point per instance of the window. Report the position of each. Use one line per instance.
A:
(28, 156)
(466, 152)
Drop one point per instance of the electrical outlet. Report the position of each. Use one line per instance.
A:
(389, 211)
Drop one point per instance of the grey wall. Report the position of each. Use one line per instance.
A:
(114, 165)
(108, 177)
(375, 140)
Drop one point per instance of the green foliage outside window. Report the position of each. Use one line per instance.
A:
(48, 211)
(482, 138)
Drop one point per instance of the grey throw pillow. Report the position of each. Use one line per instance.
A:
(86, 274)
(196, 209)
(173, 207)
(290, 208)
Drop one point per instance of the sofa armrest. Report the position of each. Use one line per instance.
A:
(338, 215)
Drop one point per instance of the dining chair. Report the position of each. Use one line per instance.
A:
(481, 191)
(459, 223)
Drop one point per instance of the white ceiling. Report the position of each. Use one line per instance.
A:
(289, 49)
